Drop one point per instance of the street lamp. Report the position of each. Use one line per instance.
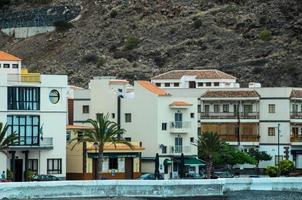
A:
(278, 150)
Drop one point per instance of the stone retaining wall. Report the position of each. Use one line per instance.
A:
(137, 188)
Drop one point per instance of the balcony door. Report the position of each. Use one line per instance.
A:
(178, 120)
(206, 110)
(178, 145)
(247, 109)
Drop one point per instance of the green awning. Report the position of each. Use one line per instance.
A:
(167, 162)
(194, 161)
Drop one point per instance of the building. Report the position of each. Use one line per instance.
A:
(34, 107)
(120, 161)
(250, 117)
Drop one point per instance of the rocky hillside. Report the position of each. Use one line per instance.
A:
(255, 40)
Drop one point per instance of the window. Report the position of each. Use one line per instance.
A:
(225, 108)
(158, 84)
(33, 165)
(54, 96)
(247, 109)
(192, 115)
(216, 84)
(295, 131)
(271, 131)
(192, 139)
(164, 126)
(216, 108)
(127, 117)
(178, 145)
(112, 115)
(278, 160)
(199, 108)
(54, 166)
(113, 163)
(15, 66)
(192, 84)
(68, 136)
(206, 108)
(208, 84)
(176, 84)
(85, 109)
(23, 98)
(5, 65)
(200, 84)
(128, 139)
(295, 108)
(199, 131)
(167, 84)
(27, 128)
(271, 108)
(164, 149)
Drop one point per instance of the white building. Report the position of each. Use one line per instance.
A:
(261, 111)
(34, 107)
(162, 123)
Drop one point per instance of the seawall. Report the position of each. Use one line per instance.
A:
(138, 188)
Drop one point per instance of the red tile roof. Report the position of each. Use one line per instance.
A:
(180, 103)
(200, 74)
(230, 94)
(153, 88)
(8, 57)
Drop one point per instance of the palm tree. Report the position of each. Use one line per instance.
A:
(5, 141)
(208, 144)
(103, 131)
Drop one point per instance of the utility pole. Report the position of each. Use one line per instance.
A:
(238, 124)
(278, 150)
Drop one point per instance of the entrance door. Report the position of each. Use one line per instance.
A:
(178, 120)
(94, 169)
(128, 168)
(18, 170)
(192, 84)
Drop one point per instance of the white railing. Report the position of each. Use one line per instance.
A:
(180, 126)
(178, 149)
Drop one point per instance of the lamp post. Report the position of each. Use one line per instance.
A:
(278, 150)
(119, 97)
(96, 145)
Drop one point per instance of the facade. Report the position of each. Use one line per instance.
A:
(246, 117)
(34, 107)
(120, 162)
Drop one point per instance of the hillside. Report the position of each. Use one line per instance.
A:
(255, 40)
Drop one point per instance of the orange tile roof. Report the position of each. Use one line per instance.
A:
(119, 81)
(118, 147)
(296, 93)
(180, 103)
(153, 88)
(231, 94)
(8, 57)
(200, 74)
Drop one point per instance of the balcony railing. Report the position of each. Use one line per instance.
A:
(24, 78)
(296, 115)
(179, 126)
(296, 138)
(243, 138)
(178, 149)
(33, 142)
(229, 115)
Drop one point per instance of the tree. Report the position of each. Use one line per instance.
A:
(5, 141)
(208, 144)
(4, 3)
(103, 131)
(259, 156)
(230, 155)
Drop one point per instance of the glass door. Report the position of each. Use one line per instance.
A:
(178, 120)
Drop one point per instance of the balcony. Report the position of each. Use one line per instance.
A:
(243, 138)
(180, 126)
(296, 115)
(179, 149)
(229, 115)
(32, 143)
(296, 138)
(24, 78)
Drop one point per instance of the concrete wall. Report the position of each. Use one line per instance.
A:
(139, 188)
(25, 32)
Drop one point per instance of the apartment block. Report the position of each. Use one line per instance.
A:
(34, 108)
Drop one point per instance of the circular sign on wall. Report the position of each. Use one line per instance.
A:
(54, 96)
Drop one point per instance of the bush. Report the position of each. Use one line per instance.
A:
(131, 43)
(113, 13)
(29, 175)
(4, 3)
(9, 175)
(265, 35)
(90, 58)
(272, 171)
(197, 23)
(62, 25)
(286, 167)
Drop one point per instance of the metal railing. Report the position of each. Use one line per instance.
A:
(33, 141)
(179, 126)
(243, 138)
(229, 115)
(296, 138)
(296, 115)
(24, 78)
(178, 149)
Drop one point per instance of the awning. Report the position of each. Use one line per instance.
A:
(194, 161)
(167, 162)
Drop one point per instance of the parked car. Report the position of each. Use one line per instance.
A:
(222, 174)
(194, 176)
(45, 178)
(149, 177)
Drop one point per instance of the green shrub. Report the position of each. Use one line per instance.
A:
(29, 175)
(197, 23)
(90, 58)
(272, 171)
(62, 26)
(286, 166)
(9, 175)
(101, 61)
(131, 43)
(113, 13)
(265, 35)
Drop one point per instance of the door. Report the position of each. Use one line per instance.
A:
(94, 168)
(192, 84)
(128, 168)
(178, 120)
(18, 170)
(178, 145)
(206, 110)
(299, 162)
